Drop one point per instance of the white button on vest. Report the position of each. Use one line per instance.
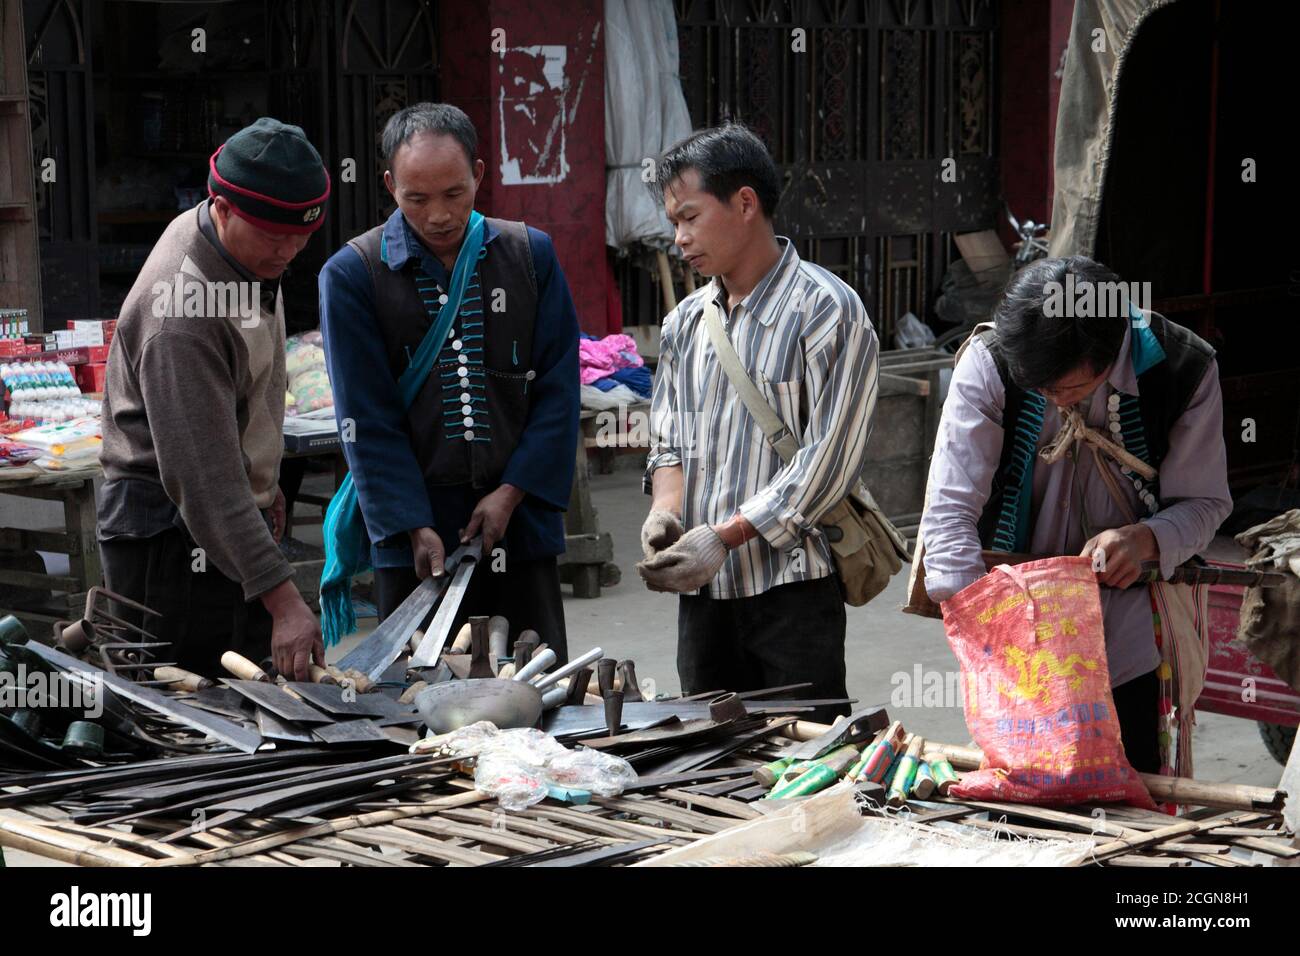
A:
(462, 358)
(451, 334)
(458, 344)
(469, 436)
(469, 422)
(467, 409)
(442, 299)
(462, 371)
(464, 396)
(464, 383)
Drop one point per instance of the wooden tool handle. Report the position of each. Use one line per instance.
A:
(498, 637)
(408, 695)
(243, 668)
(180, 679)
(593, 685)
(319, 675)
(461, 644)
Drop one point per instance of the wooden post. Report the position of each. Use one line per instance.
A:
(79, 518)
(20, 261)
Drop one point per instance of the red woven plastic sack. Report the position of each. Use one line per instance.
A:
(1037, 688)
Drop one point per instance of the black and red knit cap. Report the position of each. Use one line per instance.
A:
(273, 177)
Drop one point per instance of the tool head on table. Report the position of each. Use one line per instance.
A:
(605, 669)
(454, 704)
(480, 665)
(861, 725)
(577, 691)
(613, 711)
(631, 686)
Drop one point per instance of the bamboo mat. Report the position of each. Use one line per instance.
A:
(444, 822)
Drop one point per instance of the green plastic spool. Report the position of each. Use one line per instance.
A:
(28, 721)
(84, 739)
(12, 631)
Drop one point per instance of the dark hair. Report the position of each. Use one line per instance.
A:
(1040, 348)
(439, 118)
(726, 157)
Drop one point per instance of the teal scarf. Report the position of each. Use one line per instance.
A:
(1012, 532)
(346, 548)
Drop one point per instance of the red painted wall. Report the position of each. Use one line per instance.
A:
(536, 94)
(1034, 34)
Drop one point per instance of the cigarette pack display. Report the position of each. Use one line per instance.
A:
(91, 376)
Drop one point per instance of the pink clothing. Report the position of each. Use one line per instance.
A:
(602, 357)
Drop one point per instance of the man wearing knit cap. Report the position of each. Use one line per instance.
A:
(190, 513)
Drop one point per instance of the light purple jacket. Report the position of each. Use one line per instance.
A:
(1193, 486)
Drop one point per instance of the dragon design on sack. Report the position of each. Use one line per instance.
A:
(1028, 685)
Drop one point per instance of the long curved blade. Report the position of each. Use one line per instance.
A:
(435, 637)
(373, 655)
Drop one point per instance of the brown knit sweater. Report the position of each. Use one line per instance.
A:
(195, 401)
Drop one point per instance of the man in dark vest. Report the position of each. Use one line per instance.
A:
(486, 443)
(1010, 472)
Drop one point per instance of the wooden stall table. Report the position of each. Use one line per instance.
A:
(53, 597)
(62, 597)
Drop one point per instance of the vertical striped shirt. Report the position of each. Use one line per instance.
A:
(805, 339)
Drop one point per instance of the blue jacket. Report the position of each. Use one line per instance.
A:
(390, 482)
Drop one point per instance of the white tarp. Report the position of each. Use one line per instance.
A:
(645, 112)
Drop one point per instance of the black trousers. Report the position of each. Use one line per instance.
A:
(525, 593)
(791, 634)
(204, 613)
(1136, 705)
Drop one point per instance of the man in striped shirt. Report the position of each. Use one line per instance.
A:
(761, 604)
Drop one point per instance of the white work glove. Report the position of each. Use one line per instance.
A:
(688, 565)
(661, 530)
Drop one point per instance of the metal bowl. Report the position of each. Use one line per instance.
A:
(457, 703)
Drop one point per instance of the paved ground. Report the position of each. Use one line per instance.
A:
(893, 658)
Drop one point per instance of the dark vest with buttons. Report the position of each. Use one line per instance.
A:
(1165, 389)
(495, 329)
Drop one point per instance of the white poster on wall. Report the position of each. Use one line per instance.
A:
(531, 114)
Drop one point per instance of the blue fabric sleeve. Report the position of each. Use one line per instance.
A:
(389, 482)
(543, 462)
